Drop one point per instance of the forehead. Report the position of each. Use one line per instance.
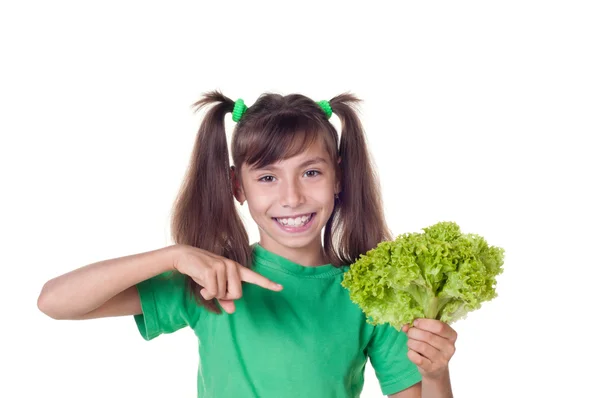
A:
(313, 154)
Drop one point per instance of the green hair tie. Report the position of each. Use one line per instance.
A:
(326, 108)
(238, 110)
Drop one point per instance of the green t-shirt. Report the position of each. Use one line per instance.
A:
(308, 340)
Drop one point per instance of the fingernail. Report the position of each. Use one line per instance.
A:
(279, 286)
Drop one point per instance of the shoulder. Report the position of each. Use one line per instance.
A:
(345, 268)
(348, 304)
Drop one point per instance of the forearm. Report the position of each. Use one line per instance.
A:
(78, 292)
(437, 388)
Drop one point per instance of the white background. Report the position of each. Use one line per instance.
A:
(483, 113)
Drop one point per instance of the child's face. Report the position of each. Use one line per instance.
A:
(291, 200)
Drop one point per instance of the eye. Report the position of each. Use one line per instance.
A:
(315, 173)
(262, 179)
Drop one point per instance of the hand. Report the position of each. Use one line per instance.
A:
(431, 344)
(218, 277)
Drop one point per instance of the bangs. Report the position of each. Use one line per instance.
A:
(280, 137)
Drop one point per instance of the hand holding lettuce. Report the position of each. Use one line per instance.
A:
(439, 274)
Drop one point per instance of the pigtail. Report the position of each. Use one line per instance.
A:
(358, 222)
(204, 213)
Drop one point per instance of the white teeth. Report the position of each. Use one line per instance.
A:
(294, 222)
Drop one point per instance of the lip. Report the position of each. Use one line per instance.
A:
(297, 230)
(297, 215)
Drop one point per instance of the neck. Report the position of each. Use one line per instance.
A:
(311, 255)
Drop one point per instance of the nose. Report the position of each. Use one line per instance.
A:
(291, 194)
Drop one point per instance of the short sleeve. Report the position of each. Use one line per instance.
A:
(166, 305)
(387, 351)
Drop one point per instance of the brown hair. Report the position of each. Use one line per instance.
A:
(204, 213)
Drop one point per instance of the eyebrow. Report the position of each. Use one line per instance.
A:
(307, 162)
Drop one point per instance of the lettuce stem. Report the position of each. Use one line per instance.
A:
(431, 310)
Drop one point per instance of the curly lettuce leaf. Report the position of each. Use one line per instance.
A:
(439, 274)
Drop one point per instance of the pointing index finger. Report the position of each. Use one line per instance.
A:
(250, 276)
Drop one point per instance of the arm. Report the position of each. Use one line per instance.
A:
(411, 392)
(431, 345)
(437, 388)
(105, 288)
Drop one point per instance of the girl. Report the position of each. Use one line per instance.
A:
(289, 328)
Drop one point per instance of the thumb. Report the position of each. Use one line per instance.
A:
(227, 305)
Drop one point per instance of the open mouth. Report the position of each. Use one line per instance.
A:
(296, 224)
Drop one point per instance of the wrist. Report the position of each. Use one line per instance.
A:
(172, 255)
(437, 377)
(437, 385)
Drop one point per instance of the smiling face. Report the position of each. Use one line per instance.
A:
(291, 201)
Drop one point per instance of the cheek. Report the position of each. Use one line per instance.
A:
(325, 197)
(257, 201)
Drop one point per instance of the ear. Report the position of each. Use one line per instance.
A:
(236, 187)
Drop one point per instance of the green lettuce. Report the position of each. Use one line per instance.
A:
(439, 274)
